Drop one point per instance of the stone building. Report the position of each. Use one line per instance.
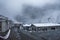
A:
(27, 27)
(41, 27)
(5, 24)
(46, 26)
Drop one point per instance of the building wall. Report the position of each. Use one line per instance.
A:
(4, 26)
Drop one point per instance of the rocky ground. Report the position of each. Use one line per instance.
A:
(43, 35)
(14, 35)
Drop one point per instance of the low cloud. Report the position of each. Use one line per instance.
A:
(11, 8)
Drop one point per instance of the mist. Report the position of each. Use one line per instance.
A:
(47, 10)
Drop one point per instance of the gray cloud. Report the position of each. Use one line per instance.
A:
(11, 8)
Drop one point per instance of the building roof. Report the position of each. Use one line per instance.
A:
(42, 24)
(27, 25)
(17, 23)
(45, 24)
(3, 17)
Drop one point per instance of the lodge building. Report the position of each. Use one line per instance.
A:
(41, 27)
(5, 23)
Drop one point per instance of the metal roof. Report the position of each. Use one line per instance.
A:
(27, 25)
(42, 24)
(45, 24)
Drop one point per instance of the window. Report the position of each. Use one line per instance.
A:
(34, 28)
(53, 28)
(27, 28)
(44, 29)
(38, 29)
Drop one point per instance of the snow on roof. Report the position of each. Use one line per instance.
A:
(27, 25)
(16, 22)
(45, 24)
(7, 35)
(42, 24)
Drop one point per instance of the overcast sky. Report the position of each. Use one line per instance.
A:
(10, 8)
